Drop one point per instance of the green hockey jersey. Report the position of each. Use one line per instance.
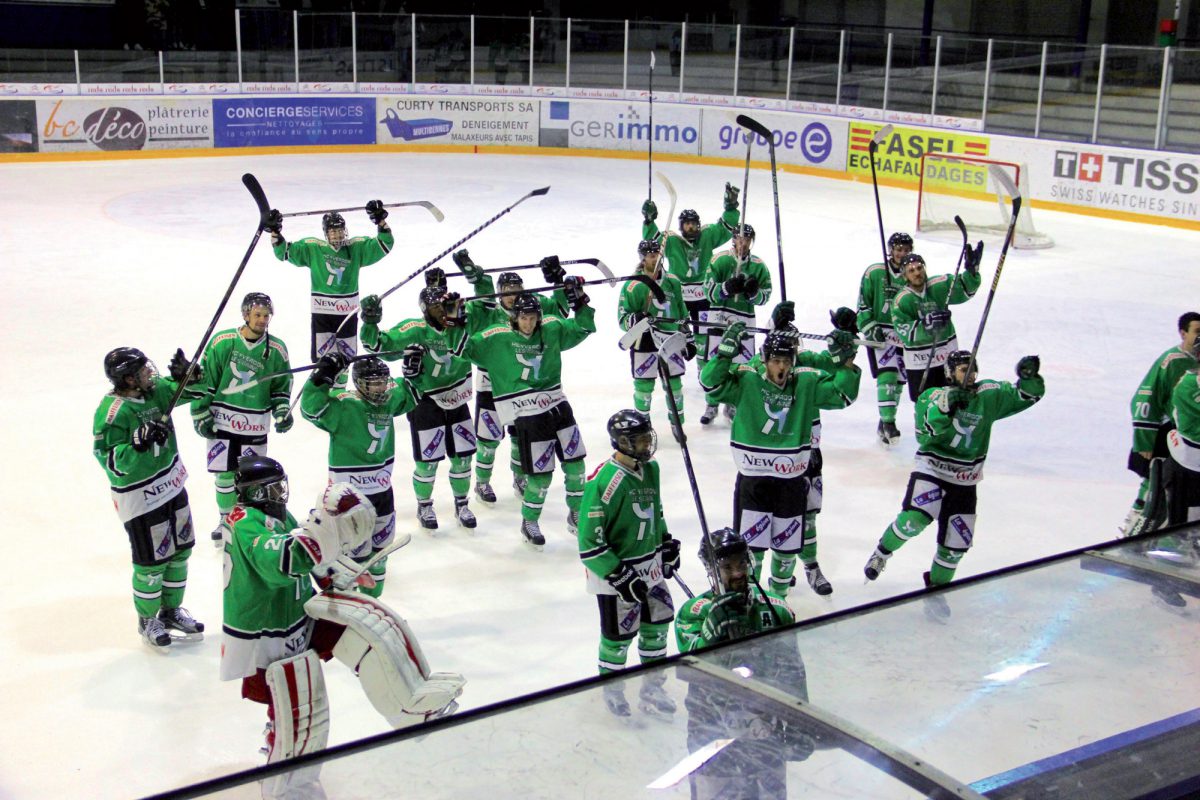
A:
(763, 611)
(621, 521)
(141, 482)
(954, 447)
(1151, 403)
(1184, 442)
(228, 360)
(636, 298)
(910, 306)
(266, 585)
(484, 314)
(362, 435)
(772, 431)
(445, 376)
(876, 293)
(334, 273)
(723, 268)
(689, 261)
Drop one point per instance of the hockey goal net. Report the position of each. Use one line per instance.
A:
(953, 184)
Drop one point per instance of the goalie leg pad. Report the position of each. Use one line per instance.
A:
(382, 650)
(300, 705)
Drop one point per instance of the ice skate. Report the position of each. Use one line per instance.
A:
(730, 411)
(710, 413)
(153, 633)
(532, 533)
(573, 522)
(888, 433)
(483, 490)
(1169, 596)
(817, 580)
(426, 515)
(463, 514)
(181, 625)
(614, 699)
(678, 434)
(936, 606)
(653, 699)
(875, 565)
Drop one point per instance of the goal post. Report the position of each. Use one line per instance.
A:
(953, 184)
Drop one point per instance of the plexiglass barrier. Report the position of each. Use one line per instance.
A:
(1074, 677)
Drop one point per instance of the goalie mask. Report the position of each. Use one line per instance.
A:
(372, 380)
(129, 362)
(632, 435)
(334, 226)
(726, 558)
(261, 483)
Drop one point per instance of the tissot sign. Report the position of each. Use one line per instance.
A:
(1127, 181)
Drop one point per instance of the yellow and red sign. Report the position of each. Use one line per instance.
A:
(898, 156)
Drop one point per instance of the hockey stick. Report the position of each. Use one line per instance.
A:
(673, 415)
(876, 140)
(1015, 193)
(814, 336)
(745, 205)
(650, 137)
(260, 198)
(674, 197)
(936, 343)
(238, 388)
(651, 284)
(425, 204)
(347, 581)
(595, 262)
(761, 130)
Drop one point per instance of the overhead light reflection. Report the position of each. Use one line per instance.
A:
(1011, 673)
(689, 764)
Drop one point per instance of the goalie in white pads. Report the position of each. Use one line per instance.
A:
(277, 628)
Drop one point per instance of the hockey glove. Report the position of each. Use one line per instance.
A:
(731, 197)
(723, 621)
(552, 270)
(178, 368)
(151, 432)
(1028, 368)
(435, 277)
(841, 346)
(649, 212)
(952, 399)
(283, 419)
(370, 308)
(204, 425)
(938, 318)
(412, 361)
(272, 222)
(456, 313)
(844, 319)
(670, 556)
(328, 368)
(784, 314)
(731, 342)
(972, 258)
(573, 290)
(376, 211)
(471, 271)
(628, 584)
(751, 287)
(689, 350)
(342, 521)
(734, 285)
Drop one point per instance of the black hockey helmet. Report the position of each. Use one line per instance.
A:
(257, 299)
(744, 230)
(261, 483)
(632, 434)
(779, 344)
(647, 246)
(332, 221)
(525, 303)
(430, 296)
(372, 379)
(912, 258)
(725, 548)
(508, 280)
(899, 239)
(122, 363)
(435, 276)
(954, 361)
(688, 215)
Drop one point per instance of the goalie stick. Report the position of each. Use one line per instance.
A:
(595, 262)
(238, 388)
(650, 283)
(260, 199)
(425, 204)
(936, 343)
(760, 129)
(348, 579)
(1015, 193)
(813, 336)
(876, 140)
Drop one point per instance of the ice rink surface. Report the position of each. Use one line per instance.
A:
(139, 252)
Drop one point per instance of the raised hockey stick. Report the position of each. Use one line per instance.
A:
(1015, 193)
(650, 137)
(814, 336)
(877, 140)
(425, 204)
(936, 338)
(651, 284)
(745, 204)
(595, 262)
(761, 130)
(674, 197)
(238, 388)
(260, 198)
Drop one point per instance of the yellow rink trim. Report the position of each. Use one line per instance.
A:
(633, 155)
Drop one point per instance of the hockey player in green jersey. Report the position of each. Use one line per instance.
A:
(1182, 481)
(362, 442)
(440, 424)
(137, 450)
(772, 440)
(689, 253)
(524, 361)
(637, 303)
(1151, 411)
(878, 289)
(736, 283)
(278, 629)
(629, 555)
(484, 314)
(333, 264)
(921, 316)
(236, 424)
(954, 427)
